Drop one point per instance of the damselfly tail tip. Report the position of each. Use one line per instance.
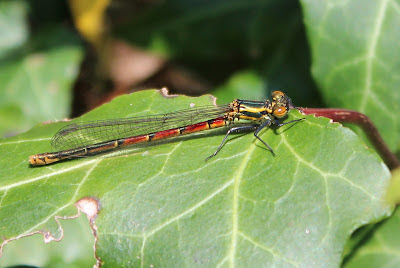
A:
(34, 161)
(42, 159)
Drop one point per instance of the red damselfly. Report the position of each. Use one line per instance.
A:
(88, 138)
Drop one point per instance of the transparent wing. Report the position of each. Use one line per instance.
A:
(92, 132)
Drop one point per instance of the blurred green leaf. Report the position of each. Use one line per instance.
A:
(355, 58)
(380, 248)
(376, 245)
(13, 28)
(36, 76)
(218, 38)
(163, 205)
(244, 85)
(393, 193)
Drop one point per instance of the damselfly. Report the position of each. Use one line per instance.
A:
(83, 139)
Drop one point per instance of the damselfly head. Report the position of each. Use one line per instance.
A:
(277, 95)
(280, 104)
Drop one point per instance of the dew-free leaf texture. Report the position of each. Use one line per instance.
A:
(356, 58)
(163, 205)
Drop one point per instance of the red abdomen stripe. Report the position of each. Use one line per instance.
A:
(210, 124)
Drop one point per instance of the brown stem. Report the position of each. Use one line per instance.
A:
(361, 120)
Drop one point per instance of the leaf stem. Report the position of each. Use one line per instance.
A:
(363, 121)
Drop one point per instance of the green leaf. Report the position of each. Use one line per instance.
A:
(218, 38)
(161, 204)
(381, 247)
(355, 58)
(393, 193)
(37, 87)
(12, 26)
(75, 250)
(243, 85)
(376, 245)
(36, 73)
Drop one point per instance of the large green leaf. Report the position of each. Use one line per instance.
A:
(163, 205)
(356, 58)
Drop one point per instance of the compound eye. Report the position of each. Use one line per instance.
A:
(277, 94)
(280, 112)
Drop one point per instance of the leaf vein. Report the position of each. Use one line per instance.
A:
(371, 54)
